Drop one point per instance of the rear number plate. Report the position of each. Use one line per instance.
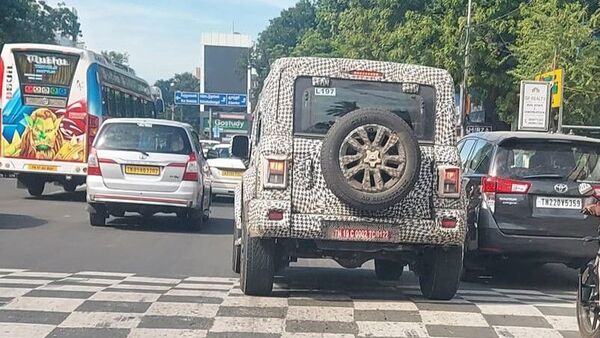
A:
(231, 173)
(558, 203)
(357, 234)
(142, 170)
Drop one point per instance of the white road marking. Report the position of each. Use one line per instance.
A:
(125, 296)
(453, 318)
(102, 320)
(183, 309)
(44, 304)
(324, 313)
(166, 333)
(248, 324)
(18, 330)
(391, 329)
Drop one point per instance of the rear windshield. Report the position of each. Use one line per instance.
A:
(46, 68)
(223, 152)
(317, 108)
(149, 138)
(573, 161)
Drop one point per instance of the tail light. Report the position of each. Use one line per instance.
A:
(192, 169)
(93, 164)
(276, 173)
(449, 181)
(492, 185)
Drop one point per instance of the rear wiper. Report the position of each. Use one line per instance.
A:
(544, 176)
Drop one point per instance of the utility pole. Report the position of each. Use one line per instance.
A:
(463, 87)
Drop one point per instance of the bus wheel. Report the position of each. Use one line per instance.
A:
(70, 186)
(35, 187)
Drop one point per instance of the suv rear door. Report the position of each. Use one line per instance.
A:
(535, 188)
(143, 156)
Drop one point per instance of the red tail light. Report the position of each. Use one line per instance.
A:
(93, 164)
(449, 181)
(449, 223)
(275, 215)
(276, 173)
(93, 168)
(192, 172)
(504, 185)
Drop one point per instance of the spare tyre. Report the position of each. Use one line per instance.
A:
(370, 159)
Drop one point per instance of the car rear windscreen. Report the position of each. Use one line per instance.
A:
(150, 138)
(574, 161)
(317, 108)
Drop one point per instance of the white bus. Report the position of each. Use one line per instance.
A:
(52, 102)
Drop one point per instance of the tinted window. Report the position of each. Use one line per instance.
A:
(546, 159)
(480, 158)
(223, 152)
(317, 108)
(147, 137)
(465, 150)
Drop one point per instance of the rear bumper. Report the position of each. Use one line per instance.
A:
(185, 196)
(220, 187)
(376, 230)
(493, 242)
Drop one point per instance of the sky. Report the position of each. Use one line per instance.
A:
(162, 37)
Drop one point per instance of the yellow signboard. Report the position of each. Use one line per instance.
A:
(556, 77)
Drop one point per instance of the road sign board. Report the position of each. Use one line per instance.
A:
(210, 99)
(556, 78)
(186, 98)
(534, 107)
(478, 128)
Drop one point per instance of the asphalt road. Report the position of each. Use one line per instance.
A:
(52, 233)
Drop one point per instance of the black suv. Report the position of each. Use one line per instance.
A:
(525, 205)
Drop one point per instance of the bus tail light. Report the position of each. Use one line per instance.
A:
(276, 173)
(449, 181)
(192, 170)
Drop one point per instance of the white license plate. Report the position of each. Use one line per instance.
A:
(558, 203)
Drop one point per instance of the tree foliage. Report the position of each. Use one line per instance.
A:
(117, 57)
(186, 82)
(510, 40)
(35, 21)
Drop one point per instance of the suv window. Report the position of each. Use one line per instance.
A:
(465, 149)
(317, 108)
(480, 158)
(574, 161)
(152, 138)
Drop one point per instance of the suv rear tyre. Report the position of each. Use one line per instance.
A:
(440, 272)
(388, 270)
(97, 220)
(370, 159)
(257, 265)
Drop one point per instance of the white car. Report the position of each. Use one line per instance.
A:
(147, 166)
(226, 171)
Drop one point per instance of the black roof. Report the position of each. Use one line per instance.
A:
(500, 136)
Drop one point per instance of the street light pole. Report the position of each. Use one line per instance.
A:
(463, 87)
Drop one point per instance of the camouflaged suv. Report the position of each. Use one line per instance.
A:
(352, 160)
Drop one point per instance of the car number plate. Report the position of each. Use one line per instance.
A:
(232, 173)
(42, 167)
(142, 170)
(558, 203)
(359, 234)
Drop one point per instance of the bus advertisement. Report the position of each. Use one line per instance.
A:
(52, 102)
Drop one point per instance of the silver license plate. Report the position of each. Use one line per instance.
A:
(558, 203)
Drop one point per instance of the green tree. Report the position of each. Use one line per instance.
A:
(116, 57)
(556, 34)
(34, 21)
(186, 82)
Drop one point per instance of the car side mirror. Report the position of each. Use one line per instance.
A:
(211, 153)
(240, 146)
